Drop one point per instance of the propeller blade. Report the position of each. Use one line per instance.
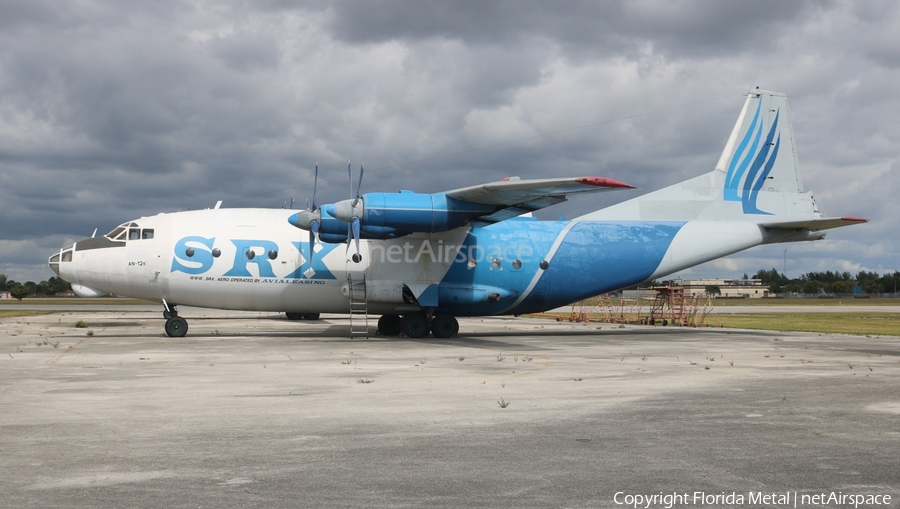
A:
(312, 251)
(353, 233)
(313, 240)
(349, 236)
(358, 185)
(292, 201)
(315, 185)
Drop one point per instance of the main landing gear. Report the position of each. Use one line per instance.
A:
(417, 325)
(176, 326)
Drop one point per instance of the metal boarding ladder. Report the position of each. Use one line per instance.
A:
(359, 307)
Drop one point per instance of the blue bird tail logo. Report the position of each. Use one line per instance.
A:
(751, 164)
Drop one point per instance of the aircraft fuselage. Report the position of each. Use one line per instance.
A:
(253, 259)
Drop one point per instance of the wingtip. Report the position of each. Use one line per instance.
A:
(603, 182)
(855, 219)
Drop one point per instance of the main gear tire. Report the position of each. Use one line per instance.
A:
(415, 326)
(444, 326)
(390, 325)
(176, 327)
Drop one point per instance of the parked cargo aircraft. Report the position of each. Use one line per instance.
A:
(421, 260)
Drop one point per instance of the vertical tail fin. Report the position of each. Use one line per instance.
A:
(756, 179)
(760, 152)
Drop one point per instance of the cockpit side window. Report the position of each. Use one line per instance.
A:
(67, 256)
(134, 234)
(115, 234)
(147, 233)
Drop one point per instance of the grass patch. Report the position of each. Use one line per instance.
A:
(876, 324)
(9, 313)
(830, 301)
(78, 301)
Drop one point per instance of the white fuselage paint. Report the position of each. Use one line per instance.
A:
(144, 268)
(701, 241)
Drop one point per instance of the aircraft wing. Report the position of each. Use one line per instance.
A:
(825, 223)
(514, 197)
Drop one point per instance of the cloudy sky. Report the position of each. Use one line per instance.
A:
(114, 110)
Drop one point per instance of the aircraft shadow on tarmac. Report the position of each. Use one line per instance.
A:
(338, 331)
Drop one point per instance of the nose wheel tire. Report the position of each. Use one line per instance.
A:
(176, 327)
(414, 326)
(444, 326)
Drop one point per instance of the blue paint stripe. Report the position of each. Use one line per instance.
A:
(754, 195)
(749, 206)
(731, 178)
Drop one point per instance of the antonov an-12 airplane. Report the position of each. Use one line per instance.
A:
(421, 260)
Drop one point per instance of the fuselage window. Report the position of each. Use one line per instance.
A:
(134, 234)
(67, 256)
(147, 233)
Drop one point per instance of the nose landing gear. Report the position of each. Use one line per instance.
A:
(176, 326)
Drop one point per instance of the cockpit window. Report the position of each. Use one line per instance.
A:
(67, 256)
(131, 231)
(147, 233)
(115, 234)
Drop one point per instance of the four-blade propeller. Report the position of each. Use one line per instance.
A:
(311, 218)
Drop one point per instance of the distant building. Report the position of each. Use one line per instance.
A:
(5, 295)
(740, 288)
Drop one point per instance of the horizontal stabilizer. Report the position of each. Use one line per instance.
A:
(825, 223)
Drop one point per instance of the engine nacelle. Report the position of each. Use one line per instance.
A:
(388, 215)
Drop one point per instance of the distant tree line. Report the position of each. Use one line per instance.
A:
(19, 290)
(814, 282)
(830, 282)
